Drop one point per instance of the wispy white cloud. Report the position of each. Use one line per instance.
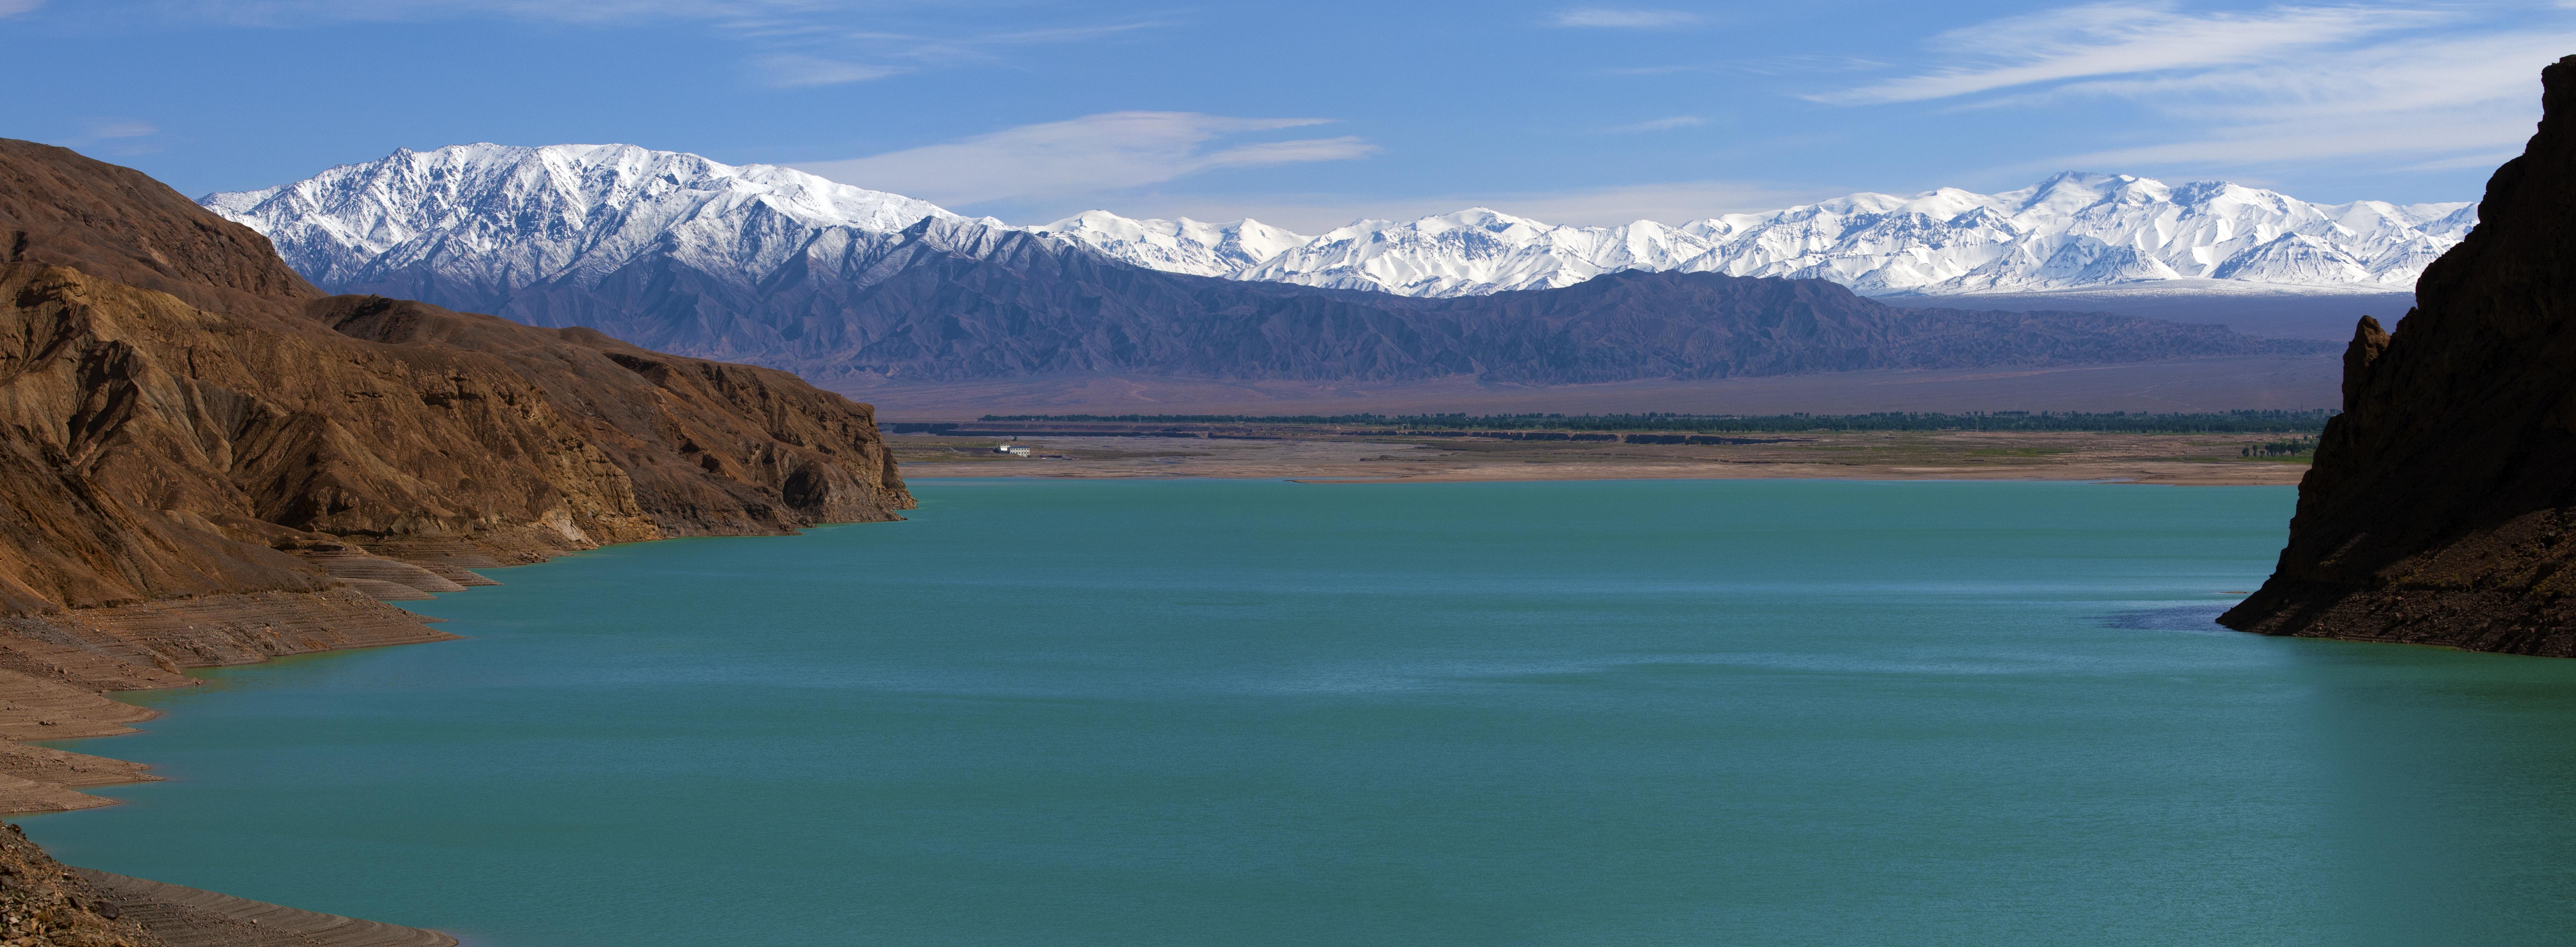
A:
(2428, 99)
(1659, 125)
(2473, 160)
(1094, 154)
(792, 43)
(927, 50)
(15, 7)
(1070, 34)
(1788, 65)
(116, 136)
(2114, 39)
(1796, 64)
(796, 70)
(305, 12)
(107, 128)
(1622, 18)
(2287, 85)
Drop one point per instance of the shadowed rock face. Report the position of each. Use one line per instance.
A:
(2442, 507)
(180, 415)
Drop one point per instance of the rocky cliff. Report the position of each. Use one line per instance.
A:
(204, 460)
(2442, 506)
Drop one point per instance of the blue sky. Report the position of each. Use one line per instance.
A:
(1311, 114)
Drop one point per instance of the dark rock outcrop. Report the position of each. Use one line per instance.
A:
(2442, 506)
(943, 302)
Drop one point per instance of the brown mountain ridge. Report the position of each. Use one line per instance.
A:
(204, 460)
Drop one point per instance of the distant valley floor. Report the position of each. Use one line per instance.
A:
(2192, 385)
(2327, 317)
(2175, 459)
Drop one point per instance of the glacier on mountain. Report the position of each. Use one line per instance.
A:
(498, 218)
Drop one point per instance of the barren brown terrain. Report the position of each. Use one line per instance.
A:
(2178, 459)
(2216, 384)
(205, 461)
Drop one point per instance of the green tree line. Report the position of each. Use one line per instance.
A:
(2289, 447)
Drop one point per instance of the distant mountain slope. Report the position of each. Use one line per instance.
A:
(950, 301)
(491, 219)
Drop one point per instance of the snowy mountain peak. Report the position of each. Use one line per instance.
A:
(2071, 230)
(509, 212)
(1175, 246)
(503, 217)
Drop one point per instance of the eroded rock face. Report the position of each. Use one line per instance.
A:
(45, 904)
(2442, 507)
(180, 415)
(204, 461)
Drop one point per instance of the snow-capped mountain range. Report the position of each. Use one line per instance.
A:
(497, 216)
(2072, 231)
(500, 217)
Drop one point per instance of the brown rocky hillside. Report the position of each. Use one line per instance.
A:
(204, 460)
(180, 415)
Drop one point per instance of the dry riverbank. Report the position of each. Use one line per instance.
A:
(55, 673)
(56, 669)
(2179, 459)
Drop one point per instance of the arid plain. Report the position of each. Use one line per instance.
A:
(2175, 459)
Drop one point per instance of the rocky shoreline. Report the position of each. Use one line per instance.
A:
(44, 902)
(205, 461)
(55, 671)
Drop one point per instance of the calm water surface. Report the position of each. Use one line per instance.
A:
(1220, 713)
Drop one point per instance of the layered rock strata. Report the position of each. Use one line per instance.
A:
(206, 461)
(2442, 506)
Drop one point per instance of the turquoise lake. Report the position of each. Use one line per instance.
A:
(1257, 713)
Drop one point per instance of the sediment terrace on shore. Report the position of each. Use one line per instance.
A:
(2178, 459)
(189, 917)
(55, 669)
